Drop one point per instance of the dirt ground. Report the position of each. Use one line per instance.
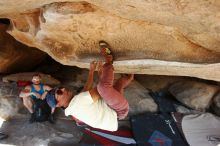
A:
(23, 133)
(63, 133)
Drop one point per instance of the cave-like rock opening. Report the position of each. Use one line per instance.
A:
(172, 47)
(5, 21)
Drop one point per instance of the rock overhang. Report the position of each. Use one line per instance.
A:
(147, 37)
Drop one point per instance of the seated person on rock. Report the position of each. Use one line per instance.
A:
(36, 90)
(102, 106)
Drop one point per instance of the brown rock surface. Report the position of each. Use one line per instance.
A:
(216, 104)
(163, 37)
(15, 56)
(157, 83)
(10, 103)
(139, 100)
(196, 95)
(22, 133)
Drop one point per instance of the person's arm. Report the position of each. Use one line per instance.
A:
(27, 92)
(99, 68)
(46, 89)
(89, 82)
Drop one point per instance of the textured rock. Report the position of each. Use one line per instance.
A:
(184, 40)
(15, 56)
(10, 103)
(157, 83)
(194, 94)
(21, 132)
(216, 104)
(139, 100)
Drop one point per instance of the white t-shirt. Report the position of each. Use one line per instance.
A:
(95, 114)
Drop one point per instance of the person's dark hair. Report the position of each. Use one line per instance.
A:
(79, 89)
(59, 91)
(37, 75)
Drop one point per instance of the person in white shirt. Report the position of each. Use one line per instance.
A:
(102, 106)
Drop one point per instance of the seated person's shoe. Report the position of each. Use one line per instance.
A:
(3, 136)
(32, 119)
(51, 119)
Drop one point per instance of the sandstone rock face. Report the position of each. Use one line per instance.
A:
(194, 94)
(163, 37)
(139, 100)
(10, 103)
(15, 56)
(216, 104)
(64, 132)
(27, 76)
(157, 83)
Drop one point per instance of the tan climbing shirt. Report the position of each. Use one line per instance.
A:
(95, 114)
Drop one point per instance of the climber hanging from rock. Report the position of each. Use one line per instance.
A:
(102, 106)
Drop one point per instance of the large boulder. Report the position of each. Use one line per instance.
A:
(10, 104)
(139, 100)
(194, 94)
(22, 133)
(165, 37)
(156, 82)
(15, 56)
(216, 104)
